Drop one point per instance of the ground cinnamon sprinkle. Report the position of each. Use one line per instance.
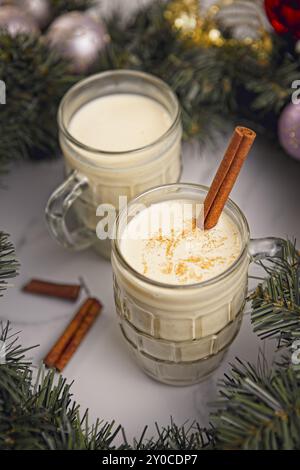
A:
(190, 229)
(181, 269)
(215, 243)
(194, 259)
(186, 268)
(168, 268)
(171, 245)
(145, 265)
(177, 251)
(196, 277)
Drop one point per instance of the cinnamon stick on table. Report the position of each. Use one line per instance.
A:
(228, 171)
(51, 289)
(80, 333)
(69, 341)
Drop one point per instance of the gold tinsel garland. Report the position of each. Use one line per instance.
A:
(211, 28)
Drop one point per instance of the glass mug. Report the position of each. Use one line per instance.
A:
(95, 176)
(180, 333)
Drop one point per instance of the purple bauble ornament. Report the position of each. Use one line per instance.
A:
(289, 130)
(78, 38)
(15, 21)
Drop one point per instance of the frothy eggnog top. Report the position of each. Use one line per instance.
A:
(120, 122)
(164, 243)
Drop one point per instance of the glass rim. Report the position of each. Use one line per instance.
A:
(118, 72)
(229, 205)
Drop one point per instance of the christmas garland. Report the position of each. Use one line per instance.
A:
(216, 74)
(258, 407)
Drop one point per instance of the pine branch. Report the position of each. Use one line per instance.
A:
(258, 409)
(8, 264)
(173, 437)
(58, 7)
(276, 301)
(272, 87)
(42, 414)
(35, 82)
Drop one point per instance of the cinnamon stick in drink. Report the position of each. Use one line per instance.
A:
(91, 308)
(51, 289)
(228, 171)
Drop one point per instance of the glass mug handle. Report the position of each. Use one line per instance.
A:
(58, 205)
(270, 247)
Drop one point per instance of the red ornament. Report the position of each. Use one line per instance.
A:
(284, 16)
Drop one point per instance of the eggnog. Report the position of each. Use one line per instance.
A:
(179, 290)
(120, 122)
(173, 249)
(120, 134)
(121, 152)
(179, 282)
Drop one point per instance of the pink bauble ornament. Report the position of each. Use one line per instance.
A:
(289, 130)
(15, 21)
(78, 38)
(38, 9)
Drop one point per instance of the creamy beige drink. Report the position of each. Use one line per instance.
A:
(179, 290)
(120, 122)
(120, 134)
(173, 250)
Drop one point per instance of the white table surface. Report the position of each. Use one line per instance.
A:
(107, 381)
